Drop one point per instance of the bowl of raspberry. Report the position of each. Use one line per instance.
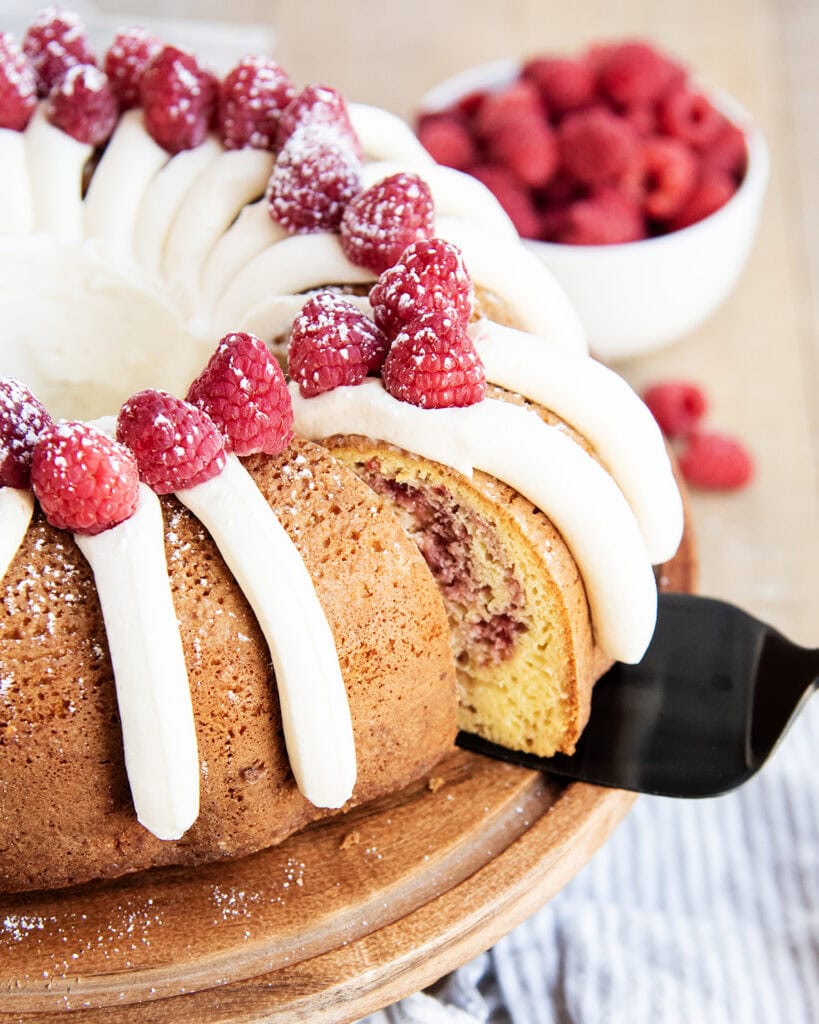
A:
(638, 188)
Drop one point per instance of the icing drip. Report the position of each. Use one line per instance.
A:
(318, 729)
(158, 731)
(16, 211)
(16, 510)
(55, 169)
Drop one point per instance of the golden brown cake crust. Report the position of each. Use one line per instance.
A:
(65, 809)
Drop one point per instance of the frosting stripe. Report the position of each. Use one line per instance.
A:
(16, 510)
(16, 210)
(55, 168)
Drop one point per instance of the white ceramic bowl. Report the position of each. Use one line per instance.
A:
(638, 296)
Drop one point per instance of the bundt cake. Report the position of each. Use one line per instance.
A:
(214, 632)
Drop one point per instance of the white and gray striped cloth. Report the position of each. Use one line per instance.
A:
(695, 912)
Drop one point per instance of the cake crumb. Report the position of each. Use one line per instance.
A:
(435, 783)
(350, 840)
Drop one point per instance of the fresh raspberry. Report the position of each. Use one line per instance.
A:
(561, 188)
(244, 392)
(635, 72)
(179, 98)
(713, 191)
(433, 364)
(54, 42)
(596, 146)
(469, 105)
(333, 343)
(447, 140)
(715, 461)
(676, 405)
(641, 118)
(380, 223)
(520, 97)
(251, 100)
(513, 197)
(129, 54)
(176, 445)
(565, 85)
(314, 178)
(23, 419)
(606, 217)
(430, 275)
(320, 106)
(526, 145)
(85, 481)
(666, 177)
(83, 105)
(18, 85)
(728, 152)
(690, 117)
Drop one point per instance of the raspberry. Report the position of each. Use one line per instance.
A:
(175, 444)
(676, 405)
(22, 420)
(83, 105)
(520, 97)
(469, 105)
(429, 276)
(85, 481)
(512, 196)
(526, 145)
(129, 54)
(333, 344)
(315, 177)
(728, 152)
(380, 223)
(689, 117)
(54, 42)
(641, 118)
(179, 98)
(634, 73)
(606, 217)
(318, 105)
(715, 461)
(447, 140)
(565, 85)
(713, 191)
(433, 364)
(596, 146)
(18, 85)
(251, 100)
(243, 390)
(667, 176)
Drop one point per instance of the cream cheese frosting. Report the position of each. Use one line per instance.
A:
(16, 510)
(16, 210)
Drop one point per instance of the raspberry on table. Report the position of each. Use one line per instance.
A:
(667, 176)
(430, 276)
(323, 107)
(527, 146)
(251, 99)
(690, 117)
(447, 140)
(55, 41)
(85, 481)
(379, 224)
(18, 85)
(333, 344)
(596, 146)
(23, 419)
(176, 445)
(514, 197)
(244, 392)
(83, 105)
(179, 99)
(676, 405)
(712, 192)
(636, 73)
(607, 217)
(716, 461)
(131, 51)
(565, 84)
(433, 364)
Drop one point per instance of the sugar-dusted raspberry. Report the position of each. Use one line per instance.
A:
(564, 84)
(85, 481)
(129, 54)
(332, 344)
(715, 461)
(251, 100)
(244, 392)
(690, 117)
(319, 106)
(596, 146)
(430, 275)
(380, 223)
(521, 97)
(83, 105)
(23, 419)
(525, 144)
(712, 192)
(315, 176)
(176, 445)
(634, 72)
(433, 364)
(179, 98)
(607, 217)
(513, 197)
(676, 405)
(447, 140)
(666, 177)
(18, 85)
(728, 152)
(55, 41)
